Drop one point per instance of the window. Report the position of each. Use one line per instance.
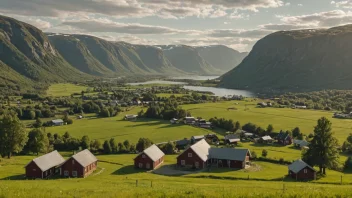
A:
(189, 154)
(196, 164)
(147, 166)
(305, 171)
(140, 165)
(74, 173)
(143, 156)
(66, 173)
(183, 162)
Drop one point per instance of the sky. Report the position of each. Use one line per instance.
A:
(238, 24)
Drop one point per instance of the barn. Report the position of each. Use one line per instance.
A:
(300, 170)
(229, 157)
(195, 156)
(44, 166)
(150, 158)
(81, 164)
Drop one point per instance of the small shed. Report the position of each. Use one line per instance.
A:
(189, 120)
(131, 117)
(81, 164)
(266, 140)
(197, 138)
(44, 166)
(150, 158)
(173, 121)
(57, 122)
(232, 139)
(300, 170)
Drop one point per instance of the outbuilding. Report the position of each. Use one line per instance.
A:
(81, 164)
(300, 170)
(150, 158)
(57, 122)
(44, 166)
(229, 157)
(195, 156)
(197, 138)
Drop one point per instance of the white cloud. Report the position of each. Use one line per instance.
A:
(347, 4)
(300, 5)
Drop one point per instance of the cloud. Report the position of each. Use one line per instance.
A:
(255, 33)
(300, 5)
(106, 25)
(133, 8)
(343, 4)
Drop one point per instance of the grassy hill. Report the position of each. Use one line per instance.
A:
(28, 52)
(300, 60)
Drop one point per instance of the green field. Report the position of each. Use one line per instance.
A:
(64, 89)
(281, 118)
(118, 179)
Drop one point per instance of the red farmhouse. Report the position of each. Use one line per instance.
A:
(150, 158)
(300, 170)
(44, 166)
(196, 156)
(81, 164)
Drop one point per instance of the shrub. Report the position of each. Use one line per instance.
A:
(264, 153)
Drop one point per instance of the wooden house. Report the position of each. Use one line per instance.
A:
(229, 157)
(189, 120)
(197, 138)
(265, 140)
(44, 166)
(300, 170)
(150, 158)
(81, 164)
(284, 138)
(195, 156)
(231, 139)
(57, 122)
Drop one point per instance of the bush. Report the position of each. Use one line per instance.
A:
(264, 153)
(281, 161)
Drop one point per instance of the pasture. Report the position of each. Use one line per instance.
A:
(64, 89)
(118, 179)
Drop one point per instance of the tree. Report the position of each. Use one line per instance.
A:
(260, 131)
(127, 145)
(348, 163)
(113, 145)
(38, 141)
(85, 142)
(264, 153)
(133, 148)
(323, 148)
(143, 143)
(237, 125)
(347, 145)
(38, 123)
(95, 145)
(107, 147)
(253, 155)
(120, 147)
(249, 127)
(105, 113)
(169, 148)
(13, 135)
(296, 132)
(269, 129)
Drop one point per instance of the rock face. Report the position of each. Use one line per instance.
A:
(28, 52)
(301, 60)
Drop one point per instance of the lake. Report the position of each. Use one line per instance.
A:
(221, 91)
(157, 82)
(196, 77)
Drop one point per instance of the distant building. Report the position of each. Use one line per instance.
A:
(265, 140)
(173, 121)
(206, 125)
(196, 138)
(81, 164)
(232, 139)
(300, 143)
(150, 158)
(44, 166)
(284, 138)
(131, 117)
(57, 122)
(189, 120)
(182, 144)
(300, 170)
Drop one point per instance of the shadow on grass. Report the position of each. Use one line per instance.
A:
(15, 177)
(266, 145)
(127, 170)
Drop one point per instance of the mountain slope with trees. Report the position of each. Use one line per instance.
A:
(301, 60)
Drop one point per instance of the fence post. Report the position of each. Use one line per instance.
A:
(248, 177)
(136, 182)
(151, 184)
(341, 179)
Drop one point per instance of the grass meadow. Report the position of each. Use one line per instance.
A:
(64, 89)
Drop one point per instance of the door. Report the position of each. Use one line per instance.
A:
(66, 174)
(196, 164)
(140, 165)
(147, 166)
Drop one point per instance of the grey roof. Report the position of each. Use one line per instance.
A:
(248, 134)
(57, 121)
(182, 142)
(231, 136)
(198, 137)
(85, 157)
(301, 143)
(48, 161)
(201, 148)
(228, 153)
(153, 152)
(266, 137)
(298, 165)
(234, 140)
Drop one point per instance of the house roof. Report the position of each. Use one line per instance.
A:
(301, 143)
(234, 140)
(85, 157)
(131, 116)
(182, 142)
(266, 137)
(48, 161)
(153, 152)
(57, 121)
(228, 153)
(201, 148)
(231, 136)
(298, 165)
(197, 137)
(248, 134)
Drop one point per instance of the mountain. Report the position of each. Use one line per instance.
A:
(188, 59)
(28, 55)
(300, 60)
(99, 57)
(221, 57)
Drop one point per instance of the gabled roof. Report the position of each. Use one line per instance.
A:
(153, 152)
(85, 157)
(234, 140)
(298, 165)
(201, 148)
(301, 143)
(266, 137)
(48, 161)
(198, 137)
(182, 142)
(231, 136)
(228, 154)
(57, 121)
